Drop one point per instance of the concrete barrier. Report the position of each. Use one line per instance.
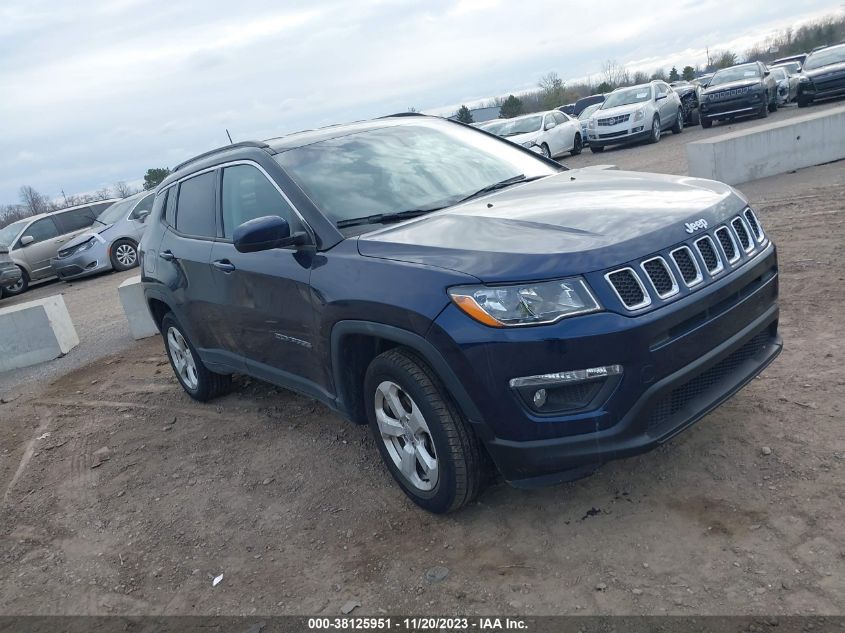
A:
(131, 294)
(771, 149)
(35, 332)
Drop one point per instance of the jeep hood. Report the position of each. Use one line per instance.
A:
(574, 222)
(733, 85)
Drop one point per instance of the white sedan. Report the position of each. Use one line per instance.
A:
(550, 133)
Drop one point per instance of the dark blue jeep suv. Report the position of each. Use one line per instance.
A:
(476, 304)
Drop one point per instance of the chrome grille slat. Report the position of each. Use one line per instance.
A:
(707, 247)
(743, 234)
(661, 277)
(756, 229)
(687, 266)
(628, 288)
(728, 244)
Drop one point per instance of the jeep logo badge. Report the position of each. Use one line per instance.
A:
(692, 227)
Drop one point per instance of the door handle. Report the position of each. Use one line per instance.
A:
(225, 265)
(167, 256)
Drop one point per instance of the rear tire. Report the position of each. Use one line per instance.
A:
(427, 445)
(679, 122)
(124, 255)
(196, 379)
(18, 288)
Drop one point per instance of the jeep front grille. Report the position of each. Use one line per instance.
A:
(661, 278)
(628, 287)
(754, 224)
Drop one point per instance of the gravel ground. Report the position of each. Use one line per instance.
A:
(97, 315)
(123, 496)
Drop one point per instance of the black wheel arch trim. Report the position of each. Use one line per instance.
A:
(409, 339)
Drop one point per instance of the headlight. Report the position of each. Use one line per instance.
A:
(638, 116)
(529, 143)
(80, 248)
(591, 123)
(525, 304)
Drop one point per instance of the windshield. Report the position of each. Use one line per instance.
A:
(790, 67)
(628, 96)
(116, 211)
(494, 127)
(586, 112)
(737, 73)
(395, 168)
(521, 126)
(825, 57)
(779, 74)
(9, 233)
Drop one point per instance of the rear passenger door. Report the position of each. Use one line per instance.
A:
(263, 300)
(183, 255)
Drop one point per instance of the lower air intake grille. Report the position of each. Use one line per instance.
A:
(727, 243)
(627, 285)
(661, 278)
(673, 402)
(741, 233)
(754, 224)
(686, 264)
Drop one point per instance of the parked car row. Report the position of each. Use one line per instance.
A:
(646, 111)
(75, 242)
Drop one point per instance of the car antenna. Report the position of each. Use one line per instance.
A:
(231, 142)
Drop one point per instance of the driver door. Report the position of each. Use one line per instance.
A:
(44, 244)
(665, 105)
(550, 135)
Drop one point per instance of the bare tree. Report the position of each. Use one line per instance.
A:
(32, 201)
(102, 194)
(639, 78)
(552, 90)
(122, 190)
(615, 73)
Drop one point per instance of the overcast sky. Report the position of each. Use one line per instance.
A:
(95, 91)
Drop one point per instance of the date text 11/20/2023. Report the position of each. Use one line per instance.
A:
(449, 624)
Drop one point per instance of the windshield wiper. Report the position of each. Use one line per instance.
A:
(507, 182)
(383, 218)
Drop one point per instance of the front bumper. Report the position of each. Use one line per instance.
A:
(680, 361)
(744, 105)
(9, 275)
(94, 260)
(628, 132)
(827, 89)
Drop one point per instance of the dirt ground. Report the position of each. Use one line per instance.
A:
(122, 496)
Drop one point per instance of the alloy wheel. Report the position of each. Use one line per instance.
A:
(126, 255)
(183, 359)
(406, 436)
(655, 130)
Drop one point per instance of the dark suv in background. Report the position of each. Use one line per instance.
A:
(472, 301)
(822, 76)
(743, 90)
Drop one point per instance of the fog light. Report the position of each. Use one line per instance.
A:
(567, 391)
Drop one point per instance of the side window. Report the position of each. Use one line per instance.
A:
(560, 117)
(247, 194)
(195, 209)
(170, 209)
(75, 220)
(145, 206)
(662, 89)
(42, 230)
(99, 207)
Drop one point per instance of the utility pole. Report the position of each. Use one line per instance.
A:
(65, 197)
(708, 59)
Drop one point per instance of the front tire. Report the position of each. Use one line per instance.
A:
(546, 151)
(803, 102)
(706, 123)
(773, 105)
(655, 130)
(694, 117)
(577, 145)
(424, 440)
(596, 149)
(764, 111)
(18, 288)
(124, 255)
(196, 379)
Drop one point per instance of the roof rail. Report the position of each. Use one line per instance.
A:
(258, 144)
(390, 116)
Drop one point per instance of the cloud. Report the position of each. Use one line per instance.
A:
(95, 92)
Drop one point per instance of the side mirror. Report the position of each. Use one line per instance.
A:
(26, 240)
(264, 234)
(766, 73)
(142, 216)
(549, 125)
